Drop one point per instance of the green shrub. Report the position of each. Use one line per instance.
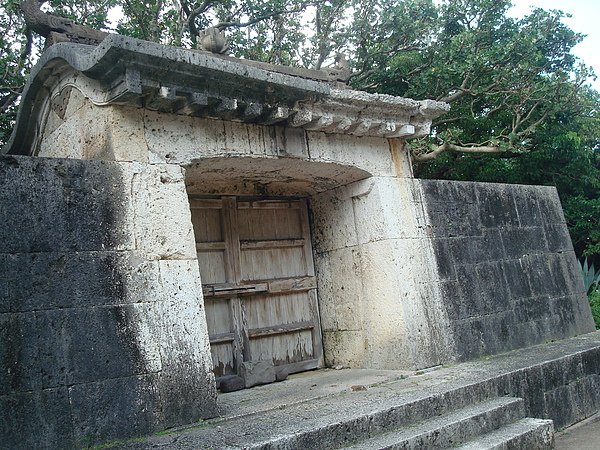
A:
(591, 277)
(594, 298)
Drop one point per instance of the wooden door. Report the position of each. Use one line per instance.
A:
(258, 281)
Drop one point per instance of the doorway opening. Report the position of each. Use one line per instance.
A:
(258, 281)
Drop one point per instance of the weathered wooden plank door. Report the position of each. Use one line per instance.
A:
(258, 280)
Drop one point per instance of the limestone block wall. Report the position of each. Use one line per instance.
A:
(378, 291)
(102, 329)
(508, 273)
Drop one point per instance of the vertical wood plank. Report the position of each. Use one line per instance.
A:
(308, 257)
(241, 344)
(232, 241)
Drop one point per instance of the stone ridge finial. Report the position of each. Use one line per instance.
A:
(340, 71)
(214, 40)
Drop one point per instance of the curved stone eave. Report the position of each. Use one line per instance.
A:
(128, 71)
(131, 70)
(359, 113)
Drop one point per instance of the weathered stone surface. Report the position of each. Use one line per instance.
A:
(259, 372)
(100, 292)
(112, 408)
(49, 280)
(367, 153)
(102, 328)
(333, 225)
(211, 148)
(232, 384)
(363, 114)
(509, 271)
(379, 295)
(127, 85)
(126, 71)
(160, 200)
(340, 273)
(114, 134)
(281, 375)
(87, 345)
(409, 403)
(344, 348)
(19, 354)
(36, 419)
(43, 212)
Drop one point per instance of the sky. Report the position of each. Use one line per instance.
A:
(585, 19)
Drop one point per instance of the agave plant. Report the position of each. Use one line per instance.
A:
(591, 276)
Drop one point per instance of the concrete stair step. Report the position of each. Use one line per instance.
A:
(450, 429)
(527, 433)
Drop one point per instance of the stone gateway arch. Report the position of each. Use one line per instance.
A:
(175, 219)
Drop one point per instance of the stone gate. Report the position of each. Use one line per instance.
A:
(172, 216)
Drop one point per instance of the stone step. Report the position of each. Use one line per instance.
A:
(450, 429)
(339, 413)
(335, 422)
(527, 433)
(330, 409)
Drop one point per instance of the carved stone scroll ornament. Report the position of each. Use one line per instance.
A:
(58, 29)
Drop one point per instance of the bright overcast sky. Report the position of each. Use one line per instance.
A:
(585, 19)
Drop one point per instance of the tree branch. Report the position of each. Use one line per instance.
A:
(10, 99)
(195, 13)
(235, 23)
(445, 121)
(153, 25)
(323, 32)
(139, 19)
(364, 73)
(461, 91)
(422, 157)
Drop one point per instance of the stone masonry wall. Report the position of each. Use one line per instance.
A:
(378, 286)
(508, 272)
(102, 329)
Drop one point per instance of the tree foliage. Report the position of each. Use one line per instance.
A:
(521, 111)
(15, 50)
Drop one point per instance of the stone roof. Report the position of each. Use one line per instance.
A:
(127, 71)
